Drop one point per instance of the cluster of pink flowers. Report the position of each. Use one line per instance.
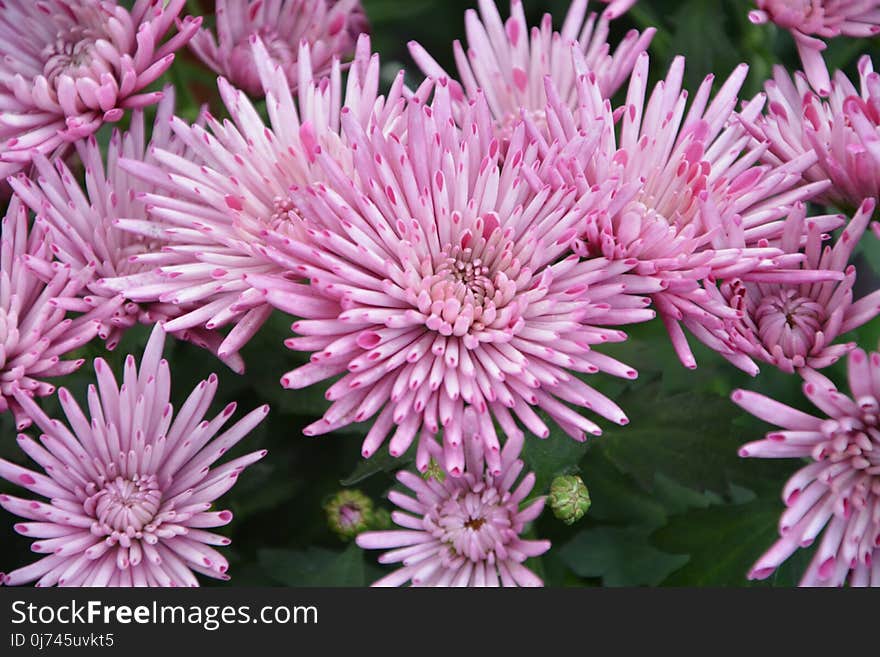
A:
(455, 254)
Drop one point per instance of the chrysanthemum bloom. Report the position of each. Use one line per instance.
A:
(462, 531)
(807, 20)
(693, 205)
(67, 66)
(839, 490)
(330, 27)
(507, 62)
(130, 489)
(35, 331)
(791, 318)
(441, 279)
(85, 225)
(617, 7)
(212, 207)
(841, 129)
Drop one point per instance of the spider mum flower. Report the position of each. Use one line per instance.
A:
(212, 206)
(87, 224)
(330, 27)
(807, 20)
(440, 279)
(693, 205)
(841, 130)
(67, 66)
(839, 490)
(35, 331)
(130, 490)
(508, 62)
(462, 531)
(791, 318)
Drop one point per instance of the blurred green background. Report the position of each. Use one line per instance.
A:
(673, 504)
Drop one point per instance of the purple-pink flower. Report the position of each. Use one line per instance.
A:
(507, 62)
(438, 278)
(692, 205)
(841, 130)
(212, 207)
(35, 329)
(130, 489)
(791, 318)
(466, 530)
(104, 228)
(330, 27)
(837, 494)
(67, 66)
(808, 20)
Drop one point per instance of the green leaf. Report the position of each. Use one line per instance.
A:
(381, 461)
(620, 556)
(550, 457)
(722, 542)
(314, 566)
(691, 438)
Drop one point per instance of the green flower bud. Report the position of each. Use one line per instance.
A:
(349, 513)
(434, 471)
(569, 498)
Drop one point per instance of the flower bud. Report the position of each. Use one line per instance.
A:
(569, 498)
(349, 513)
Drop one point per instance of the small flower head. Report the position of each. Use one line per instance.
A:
(463, 531)
(807, 20)
(791, 318)
(507, 62)
(67, 66)
(349, 512)
(569, 498)
(129, 491)
(837, 493)
(36, 331)
(841, 129)
(330, 27)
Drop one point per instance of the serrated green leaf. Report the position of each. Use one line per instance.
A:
(314, 566)
(619, 556)
(558, 454)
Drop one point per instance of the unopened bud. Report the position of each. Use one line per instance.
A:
(569, 498)
(349, 513)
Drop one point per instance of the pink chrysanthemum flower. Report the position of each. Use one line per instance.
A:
(462, 531)
(131, 488)
(35, 332)
(507, 62)
(441, 279)
(212, 207)
(330, 27)
(791, 318)
(693, 206)
(839, 490)
(809, 19)
(86, 227)
(841, 130)
(67, 66)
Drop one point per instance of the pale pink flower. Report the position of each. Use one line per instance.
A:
(807, 20)
(212, 207)
(840, 129)
(791, 318)
(839, 490)
(507, 61)
(35, 331)
(465, 530)
(617, 7)
(130, 489)
(87, 234)
(67, 66)
(441, 279)
(692, 205)
(330, 27)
